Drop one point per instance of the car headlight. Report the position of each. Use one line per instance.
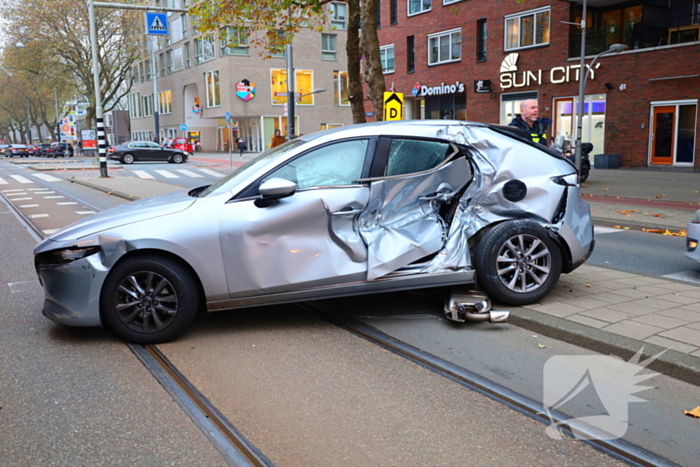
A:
(63, 256)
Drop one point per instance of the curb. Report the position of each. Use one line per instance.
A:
(671, 363)
(634, 225)
(117, 193)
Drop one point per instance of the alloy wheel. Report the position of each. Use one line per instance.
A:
(524, 263)
(146, 302)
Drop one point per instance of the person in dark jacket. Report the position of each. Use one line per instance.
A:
(529, 122)
(242, 146)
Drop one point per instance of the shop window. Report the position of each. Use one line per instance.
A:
(338, 15)
(510, 105)
(386, 55)
(213, 87)
(418, 6)
(411, 54)
(481, 40)
(341, 88)
(445, 47)
(303, 83)
(234, 41)
(527, 29)
(328, 42)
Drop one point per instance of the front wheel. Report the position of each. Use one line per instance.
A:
(518, 263)
(149, 300)
(585, 172)
(176, 158)
(127, 159)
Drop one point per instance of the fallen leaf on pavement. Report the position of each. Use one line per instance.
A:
(606, 189)
(657, 215)
(627, 228)
(587, 285)
(622, 212)
(109, 192)
(629, 215)
(646, 213)
(542, 346)
(693, 413)
(674, 186)
(632, 210)
(616, 227)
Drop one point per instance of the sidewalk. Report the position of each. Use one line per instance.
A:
(609, 311)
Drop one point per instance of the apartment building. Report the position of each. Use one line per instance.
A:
(477, 60)
(202, 79)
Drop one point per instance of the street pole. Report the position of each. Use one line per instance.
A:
(581, 87)
(58, 128)
(101, 143)
(156, 118)
(291, 94)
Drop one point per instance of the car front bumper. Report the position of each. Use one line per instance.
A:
(692, 237)
(72, 291)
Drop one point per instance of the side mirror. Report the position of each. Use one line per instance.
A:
(277, 188)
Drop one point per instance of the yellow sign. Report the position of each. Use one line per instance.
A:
(393, 106)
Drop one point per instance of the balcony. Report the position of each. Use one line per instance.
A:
(642, 35)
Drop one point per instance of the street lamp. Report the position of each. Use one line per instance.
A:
(315, 91)
(615, 48)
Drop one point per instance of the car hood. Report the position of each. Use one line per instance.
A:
(147, 208)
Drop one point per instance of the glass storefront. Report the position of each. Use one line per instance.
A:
(593, 126)
(510, 105)
(446, 107)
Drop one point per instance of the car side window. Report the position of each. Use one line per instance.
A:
(333, 165)
(413, 155)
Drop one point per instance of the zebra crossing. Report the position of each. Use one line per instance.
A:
(24, 180)
(177, 173)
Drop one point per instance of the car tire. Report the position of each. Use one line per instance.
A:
(517, 262)
(149, 300)
(127, 159)
(176, 158)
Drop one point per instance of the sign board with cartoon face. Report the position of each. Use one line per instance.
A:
(245, 90)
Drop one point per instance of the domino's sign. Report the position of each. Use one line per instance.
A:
(157, 24)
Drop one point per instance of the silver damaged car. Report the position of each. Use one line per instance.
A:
(359, 209)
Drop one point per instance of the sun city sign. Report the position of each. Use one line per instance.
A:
(511, 78)
(420, 90)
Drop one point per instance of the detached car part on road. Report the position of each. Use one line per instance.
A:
(360, 209)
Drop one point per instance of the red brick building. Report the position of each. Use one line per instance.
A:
(477, 60)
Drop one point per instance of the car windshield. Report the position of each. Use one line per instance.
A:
(266, 158)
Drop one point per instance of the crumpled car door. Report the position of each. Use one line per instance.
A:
(403, 221)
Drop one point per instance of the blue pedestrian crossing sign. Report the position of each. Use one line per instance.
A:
(228, 117)
(157, 24)
(183, 127)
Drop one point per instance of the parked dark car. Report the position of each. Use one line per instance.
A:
(59, 150)
(42, 149)
(21, 150)
(134, 151)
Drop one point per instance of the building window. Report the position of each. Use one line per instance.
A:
(147, 104)
(213, 88)
(162, 64)
(393, 12)
(528, 29)
(234, 41)
(386, 55)
(448, 2)
(176, 29)
(379, 14)
(276, 40)
(135, 105)
(411, 54)
(175, 62)
(135, 75)
(148, 66)
(338, 15)
(188, 56)
(205, 49)
(328, 46)
(418, 6)
(445, 47)
(303, 83)
(481, 40)
(341, 88)
(165, 102)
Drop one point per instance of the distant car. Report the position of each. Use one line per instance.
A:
(21, 150)
(354, 210)
(692, 237)
(3, 147)
(134, 151)
(59, 150)
(180, 143)
(41, 149)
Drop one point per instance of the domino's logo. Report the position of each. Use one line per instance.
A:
(416, 89)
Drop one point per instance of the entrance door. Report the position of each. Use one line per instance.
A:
(663, 135)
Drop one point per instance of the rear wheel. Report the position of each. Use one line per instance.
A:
(127, 159)
(149, 300)
(518, 263)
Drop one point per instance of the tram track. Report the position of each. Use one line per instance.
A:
(239, 451)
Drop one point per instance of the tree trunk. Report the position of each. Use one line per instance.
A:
(352, 47)
(373, 64)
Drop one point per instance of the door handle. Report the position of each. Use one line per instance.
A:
(347, 212)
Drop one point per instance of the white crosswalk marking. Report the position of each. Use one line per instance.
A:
(14, 189)
(84, 213)
(67, 203)
(47, 177)
(167, 174)
(188, 173)
(36, 216)
(3, 181)
(21, 199)
(19, 193)
(606, 230)
(212, 172)
(142, 174)
(53, 197)
(44, 192)
(29, 206)
(36, 189)
(21, 179)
